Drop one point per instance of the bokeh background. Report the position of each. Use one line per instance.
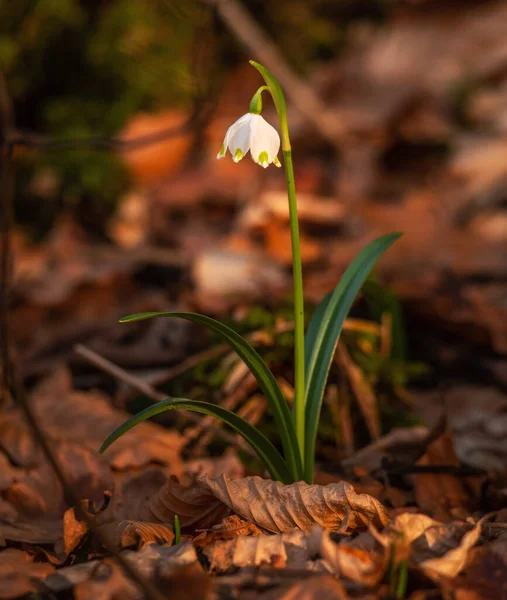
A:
(398, 114)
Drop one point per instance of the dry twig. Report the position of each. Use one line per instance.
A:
(10, 377)
(256, 41)
(148, 390)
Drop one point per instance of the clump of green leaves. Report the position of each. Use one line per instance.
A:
(314, 350)
(321, 339)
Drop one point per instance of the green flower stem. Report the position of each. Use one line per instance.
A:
(298, 411)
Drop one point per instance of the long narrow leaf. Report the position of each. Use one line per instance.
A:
(324, 337)
(262, 374)
(314, 327)
(259, 442)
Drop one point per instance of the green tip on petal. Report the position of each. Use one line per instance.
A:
(276, 162)
(221, 154)
(263, 159)
(238, 155)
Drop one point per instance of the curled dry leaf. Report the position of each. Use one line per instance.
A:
(135, 534)
(408, 527)
(453, 561)
(364, 568)
(231, 527)
(438, 550)
(281, 508)
(74, 530)
(285, 549)
(196, 506)
(19, 575)
(152, 498)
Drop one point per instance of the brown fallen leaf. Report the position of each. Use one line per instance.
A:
(229, 528)
(107, 582)
(125, 522)
(150, 561)
(9, 473)
(154, 161)
(36, 531)
(19, 575)
(478, 423)
(189, 583)
(409, 526)
(8, 513)
(75, 424)
(228, 464)
(321, 587)
(151, 497)
(452, 562)
(281, 508)
(484, 576)
(196, 506)
(363, 568)
(362, 388)
(87, 418)
(135, 534)
(439, 550)
(171, 568)
(408, 442)
(223, 275)
(444, 496)
(38, 494)
(74, 530)
(285, 549)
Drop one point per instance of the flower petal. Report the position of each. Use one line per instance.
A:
(239, 138)
(263, 138)
(229, 134)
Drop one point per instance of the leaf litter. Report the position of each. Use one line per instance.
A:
(327, 535)
(244, 536)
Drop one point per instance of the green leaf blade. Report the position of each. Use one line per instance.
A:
(265, 450)
(324, 332)
(262, 374)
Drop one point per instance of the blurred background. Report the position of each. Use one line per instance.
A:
(398, 114)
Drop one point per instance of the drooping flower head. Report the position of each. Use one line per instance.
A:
(253, 133)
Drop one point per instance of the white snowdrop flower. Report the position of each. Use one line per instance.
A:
(252, 133)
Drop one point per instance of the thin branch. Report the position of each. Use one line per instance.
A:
(7, 119)
(394, 467)
(70, 496)
(259, 45)
(41, 142)
(10, 376)
(145, 388)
